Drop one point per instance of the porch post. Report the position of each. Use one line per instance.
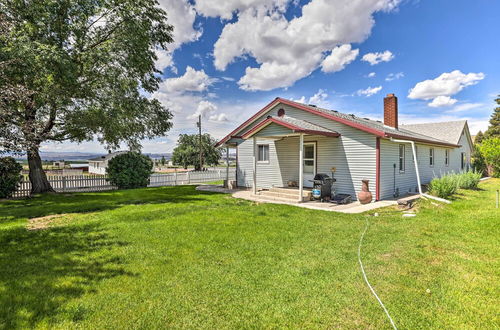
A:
(301, 167)
(255, 165)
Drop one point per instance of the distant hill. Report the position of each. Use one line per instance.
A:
(82, 156)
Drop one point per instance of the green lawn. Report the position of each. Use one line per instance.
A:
(175, 257)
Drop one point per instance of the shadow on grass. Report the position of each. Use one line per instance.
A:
(50, 204)
(41, 271)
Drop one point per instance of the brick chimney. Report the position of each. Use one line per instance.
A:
(391, 110)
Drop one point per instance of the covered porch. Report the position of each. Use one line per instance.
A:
(285, 157)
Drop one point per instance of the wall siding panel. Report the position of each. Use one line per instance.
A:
(407, 181)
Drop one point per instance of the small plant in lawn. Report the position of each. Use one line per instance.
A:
(443, 187)
(130, 170)
(10, 176)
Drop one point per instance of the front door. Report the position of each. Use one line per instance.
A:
(309, 163)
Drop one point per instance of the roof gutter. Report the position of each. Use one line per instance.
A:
(417, 172)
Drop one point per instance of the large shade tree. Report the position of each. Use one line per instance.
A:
(78, 70)
(187, 152)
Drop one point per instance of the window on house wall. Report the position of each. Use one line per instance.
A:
(447, 157)
(431, 156)
(401, 158)
(263, 153)
(463, 160)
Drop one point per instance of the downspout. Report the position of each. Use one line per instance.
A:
(417, 172)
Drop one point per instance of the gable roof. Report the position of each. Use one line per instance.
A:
(449, 131)
(294, 124)
(364, 124)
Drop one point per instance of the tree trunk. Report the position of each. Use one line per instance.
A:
(38, 179)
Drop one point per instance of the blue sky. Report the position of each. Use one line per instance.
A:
(232, 57)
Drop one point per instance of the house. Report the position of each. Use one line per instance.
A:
(288, 141)
(59, 164)
(98, 165)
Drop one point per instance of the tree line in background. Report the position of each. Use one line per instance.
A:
(486, 157)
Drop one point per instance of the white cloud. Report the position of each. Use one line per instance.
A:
(339, 58)
(394, 76)
(376, 58)
(218, 117)
(204, 109)
(225, 8)
(465, 107)
(191, 81)
(181, 14)
(371, 75)
(441, 88)
(288, 50)
(369, 91)
(442, 101)
(319, 99)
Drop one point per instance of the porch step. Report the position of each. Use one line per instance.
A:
(285, 194)
(272, 198)
(292, 191)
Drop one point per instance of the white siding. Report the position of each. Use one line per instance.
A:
(407, 180)
(353, 155)
(97, 167)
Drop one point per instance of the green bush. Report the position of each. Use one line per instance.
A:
(468, 180)
(10, 176)
(129, 170)
(443, 187)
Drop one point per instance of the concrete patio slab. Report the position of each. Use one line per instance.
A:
(354, 207)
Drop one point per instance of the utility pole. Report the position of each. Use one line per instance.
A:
(201, 148)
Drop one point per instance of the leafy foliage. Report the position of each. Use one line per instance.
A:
(494, 128)
(448, 184)
(490, 150)
(129, 170)
(10, 176)
(443, 187)
(74, 70)
(468, 180)
(188, 150)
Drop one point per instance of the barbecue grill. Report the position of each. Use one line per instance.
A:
(322, 186)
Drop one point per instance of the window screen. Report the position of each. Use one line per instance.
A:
(401, 157)
(263, 153)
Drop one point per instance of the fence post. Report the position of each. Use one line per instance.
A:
(63, 183)
(188, 177)
(175, 177)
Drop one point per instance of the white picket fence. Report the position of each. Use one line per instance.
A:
(90, 183)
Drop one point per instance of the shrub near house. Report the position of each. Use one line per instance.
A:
(10, 176)
(130, 170)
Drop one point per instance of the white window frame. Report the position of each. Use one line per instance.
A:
(402, 158)
(264, 147)
(447, 157)
(431, 157)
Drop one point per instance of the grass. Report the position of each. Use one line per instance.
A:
(176, 257)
